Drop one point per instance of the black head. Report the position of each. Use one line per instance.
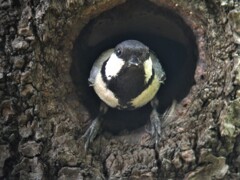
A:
(133, 52)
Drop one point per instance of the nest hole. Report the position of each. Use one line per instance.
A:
(162, 30)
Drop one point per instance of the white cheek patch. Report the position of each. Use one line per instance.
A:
(148, 69)
(113, 66)
(103, 93)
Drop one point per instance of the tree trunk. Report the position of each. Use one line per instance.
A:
(46, 51)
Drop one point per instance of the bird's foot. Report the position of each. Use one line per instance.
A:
(157, 120)
(95, 127)
(92, 132)
(155, 127)
(155, 130)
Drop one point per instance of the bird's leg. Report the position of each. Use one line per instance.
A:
(95, 127)
(155, 121)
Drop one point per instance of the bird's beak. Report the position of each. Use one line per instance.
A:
(134, 61)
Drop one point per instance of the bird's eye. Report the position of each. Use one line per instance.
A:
(118, 52)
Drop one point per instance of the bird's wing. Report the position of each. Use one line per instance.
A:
(157, 67)
(98, 65)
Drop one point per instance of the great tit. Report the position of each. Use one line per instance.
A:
(126, 77)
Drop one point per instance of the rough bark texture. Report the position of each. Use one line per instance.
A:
(42, 117)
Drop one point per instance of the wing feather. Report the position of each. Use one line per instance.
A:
(157, 67)
(96, 68)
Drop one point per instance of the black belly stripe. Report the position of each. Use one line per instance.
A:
(127, 85)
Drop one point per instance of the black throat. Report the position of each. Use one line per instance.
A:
(128, 84)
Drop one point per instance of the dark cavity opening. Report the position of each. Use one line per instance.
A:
(162, 30)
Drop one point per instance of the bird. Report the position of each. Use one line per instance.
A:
(126, 77)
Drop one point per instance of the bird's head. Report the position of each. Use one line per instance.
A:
(132, 52)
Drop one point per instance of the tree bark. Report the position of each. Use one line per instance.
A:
(43, 118)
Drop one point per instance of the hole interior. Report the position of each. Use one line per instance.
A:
(162, 30)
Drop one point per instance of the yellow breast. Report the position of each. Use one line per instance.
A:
(147, 95)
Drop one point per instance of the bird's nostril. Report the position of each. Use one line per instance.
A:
(134, 61)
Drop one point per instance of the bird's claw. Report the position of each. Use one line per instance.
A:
(91, 133)
(155, 126)
(95, 127)
(157, 120)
